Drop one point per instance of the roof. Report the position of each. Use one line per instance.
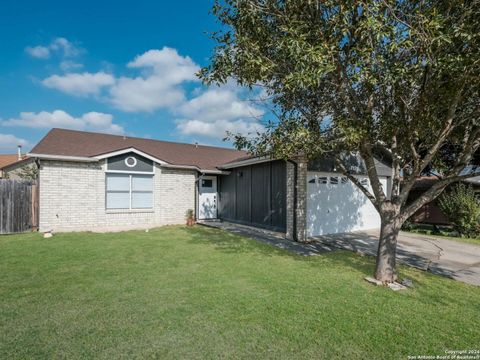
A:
(9, 159)
(61, 142)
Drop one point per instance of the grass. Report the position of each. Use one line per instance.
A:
(442, 233)
(192, 293)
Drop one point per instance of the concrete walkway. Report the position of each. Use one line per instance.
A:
(457, 260)
(449, 258)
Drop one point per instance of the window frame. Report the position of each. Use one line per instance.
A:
(130, 175)
(209, 186)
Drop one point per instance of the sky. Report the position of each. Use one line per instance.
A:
(118, 67)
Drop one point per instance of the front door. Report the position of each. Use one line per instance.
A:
(207, 197)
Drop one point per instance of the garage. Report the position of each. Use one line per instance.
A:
(336, 205)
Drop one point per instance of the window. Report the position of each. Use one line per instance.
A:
(323, 180)
(128, 191)
(208, 183)
(334, 180)
(131, 161)
(312, 181)
(344, 180)
(364, 182)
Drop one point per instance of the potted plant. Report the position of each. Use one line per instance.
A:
(189, 216)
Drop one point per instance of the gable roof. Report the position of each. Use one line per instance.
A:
(9, 159)
(81, 144)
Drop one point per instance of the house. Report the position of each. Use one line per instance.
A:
(430, 213)
(91, 181)
(12, 165)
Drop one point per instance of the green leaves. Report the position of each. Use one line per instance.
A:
(463, 210)
(345, 72)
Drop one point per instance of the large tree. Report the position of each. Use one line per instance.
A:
(396, 77)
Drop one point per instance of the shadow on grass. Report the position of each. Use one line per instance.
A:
(363, 261)
(367, 244)
(230, 243)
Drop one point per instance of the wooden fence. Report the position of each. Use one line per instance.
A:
(18, 206)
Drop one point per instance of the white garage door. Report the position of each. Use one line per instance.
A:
(336, 205)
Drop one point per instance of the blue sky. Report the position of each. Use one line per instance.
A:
(113, 66)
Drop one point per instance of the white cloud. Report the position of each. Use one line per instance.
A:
(94, 121)
(39, 52)
(218, 110)
(163, 71)
(68, 65)
(66, 47)
(144, 95)
(10, 142)
(59, 45)
(218, 129)
(168, 64)
(80, 84)
(162, 84)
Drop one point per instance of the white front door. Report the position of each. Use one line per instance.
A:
(207, 198)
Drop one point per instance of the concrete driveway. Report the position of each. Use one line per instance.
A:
(453, 259)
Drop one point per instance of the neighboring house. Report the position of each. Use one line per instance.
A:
(11, 165)
(430, 213)
(91, 181)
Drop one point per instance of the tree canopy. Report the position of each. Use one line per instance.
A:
(398, 76)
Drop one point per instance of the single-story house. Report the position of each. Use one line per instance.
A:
(12, 165)
(431, 213)
(99, 182)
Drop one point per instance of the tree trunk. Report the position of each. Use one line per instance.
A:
(385, 268)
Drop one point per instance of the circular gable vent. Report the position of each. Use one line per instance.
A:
(131, 161)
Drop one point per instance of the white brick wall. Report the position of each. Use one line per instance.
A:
(72, 198)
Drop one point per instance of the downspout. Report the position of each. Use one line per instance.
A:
(196, 194)
(295, 171)
(37, 162)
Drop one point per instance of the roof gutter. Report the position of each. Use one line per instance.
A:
(193, 167)
(252, 161)
(62, 157)
(94, 159)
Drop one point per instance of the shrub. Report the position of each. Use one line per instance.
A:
(407, 226)
(462, 209)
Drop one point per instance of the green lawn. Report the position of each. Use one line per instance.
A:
(189, 293)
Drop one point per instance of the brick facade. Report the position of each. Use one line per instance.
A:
(72, 198)
(296, 215)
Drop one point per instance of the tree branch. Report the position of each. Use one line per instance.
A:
(369, 159)
(420, 165)
(353, 179)
(432, 193)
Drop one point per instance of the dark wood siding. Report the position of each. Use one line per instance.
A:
(243, 194)
(279, 194)
(354, 162)
(226, 190)
(118, 163)
(255, 195)
(429, 213)
(261, 209)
